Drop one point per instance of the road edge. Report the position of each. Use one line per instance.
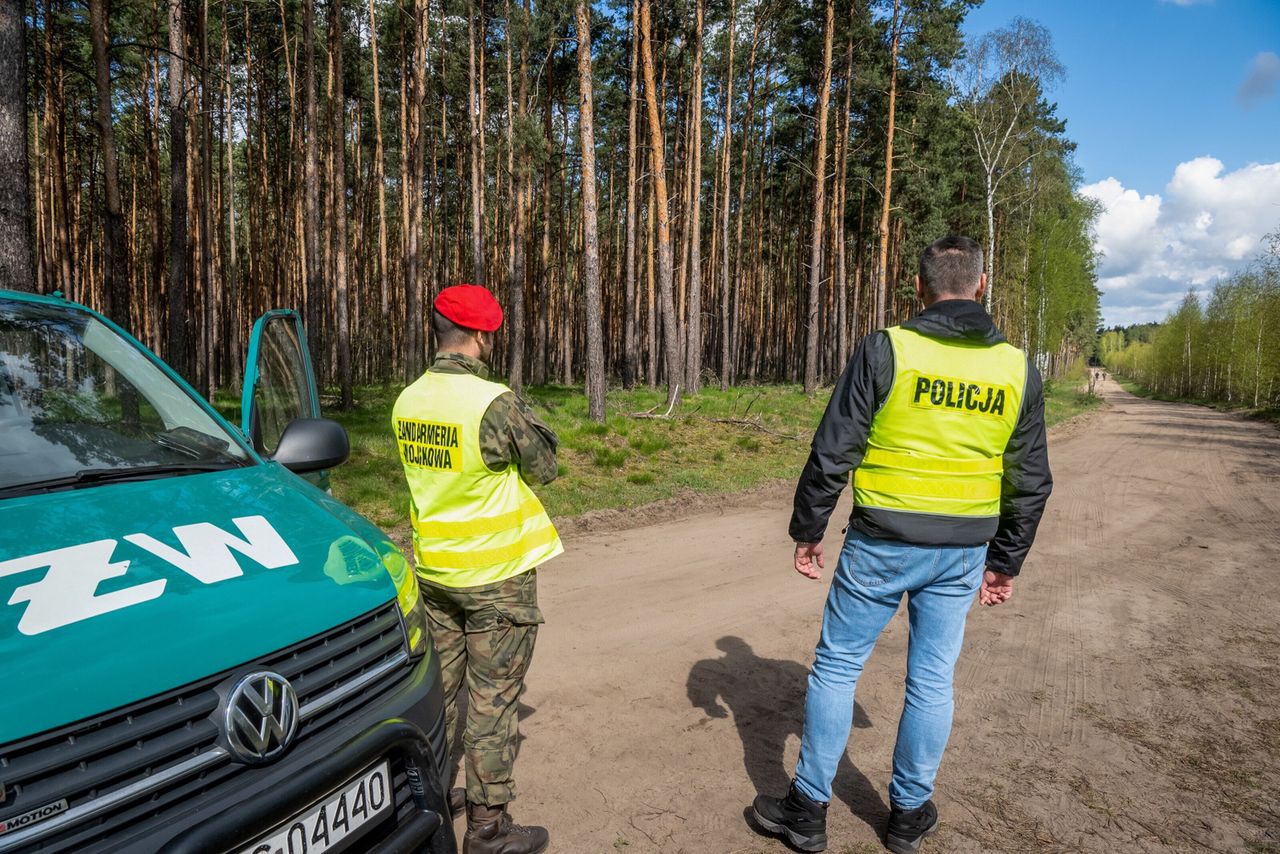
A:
(689, 503)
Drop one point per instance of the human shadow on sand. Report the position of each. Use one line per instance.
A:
(766, 698)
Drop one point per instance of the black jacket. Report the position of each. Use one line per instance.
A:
(841, 440)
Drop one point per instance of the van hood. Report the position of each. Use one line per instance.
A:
(115, 593)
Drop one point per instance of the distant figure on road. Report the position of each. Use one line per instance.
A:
(942, 422)
(470, 448)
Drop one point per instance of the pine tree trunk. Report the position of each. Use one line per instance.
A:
(156, 198)
(232, 268)
(666, 293)
(379, 177)
(726, 153)
(842, 204)
(882, 283)
(339, 197)
(516, 287)
(693, 350)
(733, 324)
(651, 317)
(542, 326)
(115, 258)
(311, 175)
(16, 248)
(513, 186)
(60, 206)
(414, 153)
(590, 236)
(477, 176)
(819, 206)
(177, 352)
(208, 368)
(630, 350)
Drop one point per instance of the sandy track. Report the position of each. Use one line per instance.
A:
(1125, 700)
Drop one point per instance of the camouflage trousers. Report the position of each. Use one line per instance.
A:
(484, 637)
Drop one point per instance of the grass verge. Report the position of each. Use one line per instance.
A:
(1269, 415)
(715, 442)
(627, 461)
(1063, 402)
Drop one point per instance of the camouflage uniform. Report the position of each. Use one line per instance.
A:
(509, 432)
(484, 636)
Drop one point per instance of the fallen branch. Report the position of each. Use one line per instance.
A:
(648, 413)
(756, 425)
(738, 399)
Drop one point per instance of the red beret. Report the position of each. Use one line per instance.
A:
(470, 306)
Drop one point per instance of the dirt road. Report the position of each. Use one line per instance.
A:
(1124, 700)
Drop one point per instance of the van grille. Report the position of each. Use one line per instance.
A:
(110, 759)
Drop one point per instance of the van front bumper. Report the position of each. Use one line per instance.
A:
(220, 806)
(406, 728)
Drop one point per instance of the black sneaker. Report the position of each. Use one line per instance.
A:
(798, 818)
(908, 828)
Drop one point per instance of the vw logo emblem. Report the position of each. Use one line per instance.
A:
(261, 717)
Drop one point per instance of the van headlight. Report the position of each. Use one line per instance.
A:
(412, 609)
(415, 626)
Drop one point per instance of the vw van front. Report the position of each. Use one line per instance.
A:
(202, 651)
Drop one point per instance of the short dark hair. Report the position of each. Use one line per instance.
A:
(448, 333)
(951, 267)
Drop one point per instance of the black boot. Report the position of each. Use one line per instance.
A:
(908, 828)
(490, 830)
(457, 800)
(802, 820)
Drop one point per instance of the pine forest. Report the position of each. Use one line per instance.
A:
(675, 194)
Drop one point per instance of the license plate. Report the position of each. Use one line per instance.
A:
(334, 819)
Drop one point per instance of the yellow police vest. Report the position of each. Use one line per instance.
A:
(472, 526)
(937, 444)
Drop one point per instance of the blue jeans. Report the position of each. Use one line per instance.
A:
(940, 583)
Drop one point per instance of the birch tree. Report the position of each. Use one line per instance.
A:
(998, 85)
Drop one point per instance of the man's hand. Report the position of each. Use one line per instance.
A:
(809, 560)
(996, 586)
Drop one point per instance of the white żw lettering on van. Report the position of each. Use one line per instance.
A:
(68, 591)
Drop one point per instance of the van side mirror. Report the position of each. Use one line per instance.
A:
(312, 444)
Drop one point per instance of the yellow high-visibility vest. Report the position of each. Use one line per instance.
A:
(472, 526)
(937, 444)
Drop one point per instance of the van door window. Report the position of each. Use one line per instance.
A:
(279, 385)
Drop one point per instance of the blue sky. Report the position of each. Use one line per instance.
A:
(1175, 106)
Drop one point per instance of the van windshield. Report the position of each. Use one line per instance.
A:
(79, 404)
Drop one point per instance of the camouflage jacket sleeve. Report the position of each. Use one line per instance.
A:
(510, 433)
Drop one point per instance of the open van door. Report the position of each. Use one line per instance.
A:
(280, 393)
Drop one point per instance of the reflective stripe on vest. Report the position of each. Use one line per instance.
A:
(471, 526)
(937, 444)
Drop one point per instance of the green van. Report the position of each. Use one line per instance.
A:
(201, 651)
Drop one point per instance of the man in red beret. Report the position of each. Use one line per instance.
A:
(470, 449)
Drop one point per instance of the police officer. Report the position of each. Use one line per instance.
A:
(942, 423)
(470, 449)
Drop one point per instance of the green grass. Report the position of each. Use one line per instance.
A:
(1062, 402)
(625, 462)
(628, 460)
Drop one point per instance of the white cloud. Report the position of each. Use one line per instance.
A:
(1262, 80)
(1207, 224)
